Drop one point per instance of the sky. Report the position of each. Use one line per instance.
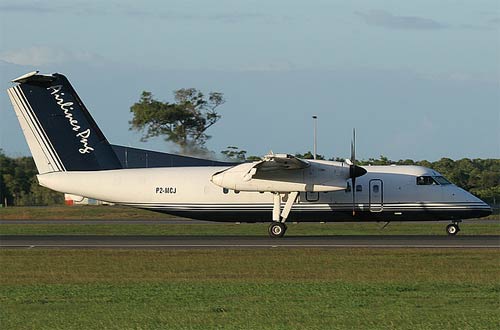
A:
(417, 79)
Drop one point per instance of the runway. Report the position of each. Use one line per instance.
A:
(245, 242)
(174, 221)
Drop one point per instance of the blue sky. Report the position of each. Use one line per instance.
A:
(417, 79)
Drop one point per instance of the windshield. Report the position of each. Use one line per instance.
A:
(432, 180)
(441, 180)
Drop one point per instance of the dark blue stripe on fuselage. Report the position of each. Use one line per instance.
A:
(328, 216)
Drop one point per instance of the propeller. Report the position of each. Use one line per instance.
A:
(354, 170)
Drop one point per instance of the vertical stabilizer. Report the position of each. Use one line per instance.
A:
(60, 132)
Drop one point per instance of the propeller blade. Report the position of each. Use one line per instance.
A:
(353, 196)
(354, 170)
(353, 147)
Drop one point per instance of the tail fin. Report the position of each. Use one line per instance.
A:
(60, 132)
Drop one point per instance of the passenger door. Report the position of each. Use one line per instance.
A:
(376, 195)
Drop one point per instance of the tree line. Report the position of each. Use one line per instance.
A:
(479, 176)
(19, 186)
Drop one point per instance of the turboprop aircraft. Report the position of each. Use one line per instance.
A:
(73, 156)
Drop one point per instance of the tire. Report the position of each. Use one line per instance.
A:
(277, 229)
(452, 229)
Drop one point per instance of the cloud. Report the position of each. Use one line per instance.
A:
(390, 21)
(221, 17)
(27, 8)
(43, 55)
(52, 8)
(81, 8)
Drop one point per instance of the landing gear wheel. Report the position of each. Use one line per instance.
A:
(452, 229)
(277, 229)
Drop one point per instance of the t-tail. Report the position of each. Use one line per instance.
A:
(61, 134)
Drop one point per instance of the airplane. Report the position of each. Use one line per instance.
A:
(73, 156)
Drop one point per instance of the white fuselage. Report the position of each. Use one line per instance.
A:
(386, 193)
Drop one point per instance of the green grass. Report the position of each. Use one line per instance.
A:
(243, 289)
(301, 229)
(77, 212)
(250, 289)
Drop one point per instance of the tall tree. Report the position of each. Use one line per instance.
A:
(309, 155)
(234, 154)
(183, 122)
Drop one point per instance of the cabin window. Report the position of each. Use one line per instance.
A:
(426, 181)
(236, 191)
(312, 196)
(375, 189)
(225, 190)
(358, 187)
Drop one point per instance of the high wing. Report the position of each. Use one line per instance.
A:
(275, 162)
(285, 173)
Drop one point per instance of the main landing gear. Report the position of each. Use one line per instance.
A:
(452, 229)
(278, 228)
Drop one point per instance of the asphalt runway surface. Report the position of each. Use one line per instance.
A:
(172, 221)
(177, 221)
(224, 242)
(193, 242)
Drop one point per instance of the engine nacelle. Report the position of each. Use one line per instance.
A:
(320, 176)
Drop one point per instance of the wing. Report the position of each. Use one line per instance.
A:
(276, 162)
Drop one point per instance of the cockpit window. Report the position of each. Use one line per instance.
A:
(432, 180)
(442, 180)
(425, 181)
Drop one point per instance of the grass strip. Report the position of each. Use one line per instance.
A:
(77, 212)
(300, 229)
(250, 289)
(283, 305)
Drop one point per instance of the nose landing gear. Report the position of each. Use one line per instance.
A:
(452, 229)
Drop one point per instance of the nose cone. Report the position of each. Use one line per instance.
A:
(485, 209)
(482, 211)
(478, 207)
